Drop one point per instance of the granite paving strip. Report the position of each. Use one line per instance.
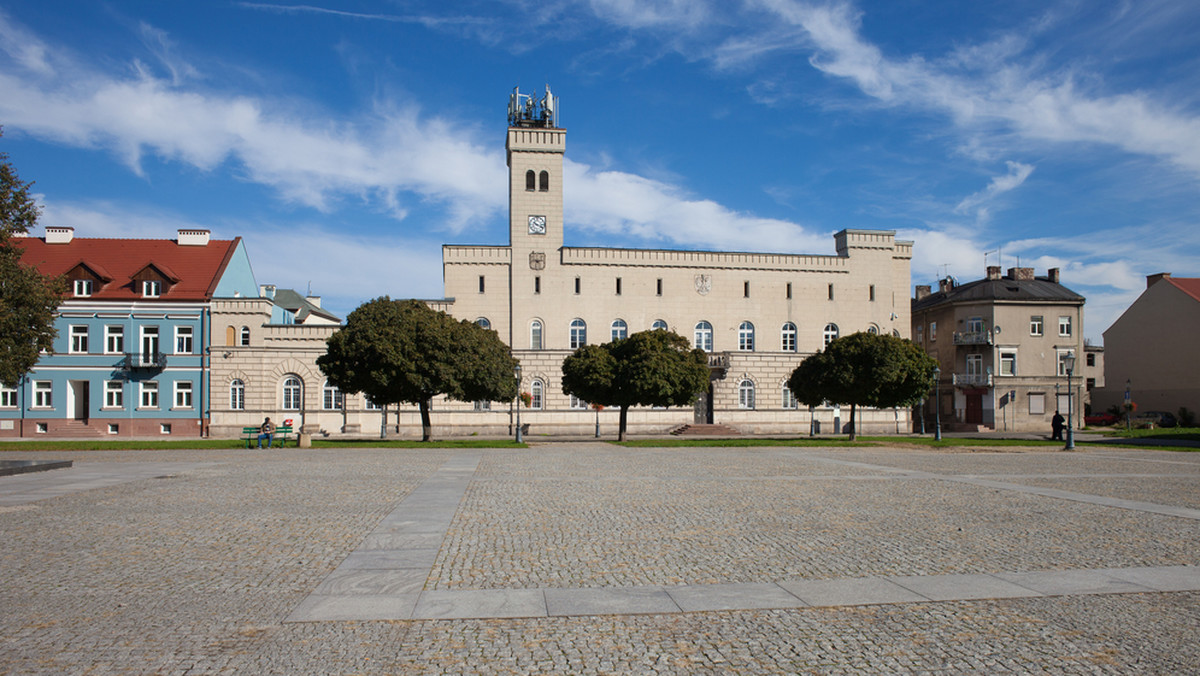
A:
(383, 579)
(83, 476)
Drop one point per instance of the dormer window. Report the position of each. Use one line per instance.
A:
(83, 288)
(151, 288)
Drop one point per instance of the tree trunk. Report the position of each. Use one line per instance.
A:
(621, 428)
(853, 424)
(426, 425)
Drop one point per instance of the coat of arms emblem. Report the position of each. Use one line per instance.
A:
(703, 284)
(537, 260)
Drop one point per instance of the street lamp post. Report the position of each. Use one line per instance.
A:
(937, 403)
(1069, 364)
(517, 373)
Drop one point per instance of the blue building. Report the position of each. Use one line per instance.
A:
(132, 353)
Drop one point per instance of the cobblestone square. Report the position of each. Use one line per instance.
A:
(591, 558)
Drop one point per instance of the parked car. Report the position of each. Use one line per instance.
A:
(1156, 418)
(1100, 419)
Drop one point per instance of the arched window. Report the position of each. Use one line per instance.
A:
(529, 179)
(873, 330)
(331, 397)
(620, 329)
(703, 337)
(831, 333)
(237, 395)
(896, 333)
(292, 391)
(536, 391)
(658, 325)
(230, 336)
(789, 399)
(787, 338)
(746, 394)
(535, 334)
(484, 322)
(578, 334)
(746, 337)
(245, 336)
(544, 181)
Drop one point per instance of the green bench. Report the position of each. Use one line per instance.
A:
(281, 434)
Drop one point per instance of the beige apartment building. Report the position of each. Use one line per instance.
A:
(757, 314)
(1002, 344)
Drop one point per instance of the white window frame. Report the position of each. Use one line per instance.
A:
(537, 394)
(244, 336)
(1061, 368)
(578, 333)
(620, 329)
(332, 398)
(150, 338)
(184, 340)
(237, 395)
(370, 405)
(578, 404)
(43, 394)
(787, 337)
(535, 334)
(114, 394)
(82, 288)
(746, 337)
(151, 288)
(484, 323)
(114, 339)
(975, 325)
(148, 394)
(789, 399)
(830, 333)
(293, 393)
(659, 324)
(183, 394)
(1064, 326)
(8, 396)
(78, 339)
(702, 336)
(974, 365)
(1008, 356)
(1037, 325)
(746, 394)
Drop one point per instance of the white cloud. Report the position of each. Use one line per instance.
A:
(1017, 173)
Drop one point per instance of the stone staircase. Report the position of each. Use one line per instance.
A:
(704, 431)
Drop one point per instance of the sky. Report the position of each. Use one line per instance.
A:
(346, 141)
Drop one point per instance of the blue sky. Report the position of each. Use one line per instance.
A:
(346, 141)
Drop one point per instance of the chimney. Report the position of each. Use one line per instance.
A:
(267, 291)
(1151, 280)
(1052, 275)
(993, 272)
(193, 238)
(923, 291)
(59, 234)
(1020, 274)
(315, 300)
(945, 284)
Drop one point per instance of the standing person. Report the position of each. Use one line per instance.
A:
(1056, 426)
(266, 431)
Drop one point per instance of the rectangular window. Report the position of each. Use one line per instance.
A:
(831, 291)
(658, 287)
(618, 286)
(483, 406)
(975, 325)
(933, 332)
(183, 394)
(332, 398)
(8, 397)
(1091, 359)
(114, 394)
(789, 399)
(164, 428)
(789, 290)
(114, 428)
(371, 406)
(745, 289)
(79, 339)
(974, 366)
(43, 394)
(872, 293)
(1035, 325)
(577, 285)
(149, 346)
(537, 284)
(1062, 361)
(183, 340)
(1008, 362)
(920, 334)
(151, 288)
(149, 394)
(1064, 326)
(481, 284)
(114, 339)
(1037, 404)
(83, 288)
(578, 404)
(1064, 403)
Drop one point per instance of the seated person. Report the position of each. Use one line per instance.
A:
(266, 431)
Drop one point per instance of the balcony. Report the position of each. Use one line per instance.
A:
(973, 380)
(972, 337)
(147, 361)
(718, 365)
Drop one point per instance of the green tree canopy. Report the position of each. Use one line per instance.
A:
(403, 351)
(649, 368)
(864, 369)
(28, 299)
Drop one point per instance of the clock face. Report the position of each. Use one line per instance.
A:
(537, 225)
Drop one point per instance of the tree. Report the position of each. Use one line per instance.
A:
(864, 369)
(649, 368)
(405, 352)
(28, 299)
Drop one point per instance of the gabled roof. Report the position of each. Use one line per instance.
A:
(193, 269)
(1002, 290)
(1188, 285)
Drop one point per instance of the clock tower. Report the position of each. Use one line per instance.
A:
(535, 159)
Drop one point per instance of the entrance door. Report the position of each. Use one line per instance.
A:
(79, 399)
(703, 410)
(974, 409)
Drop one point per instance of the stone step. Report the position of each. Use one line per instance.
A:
(705, 430)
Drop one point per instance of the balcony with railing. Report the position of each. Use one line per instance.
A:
(972, 337)
(718, 365)
(973, 379)
(149, 361)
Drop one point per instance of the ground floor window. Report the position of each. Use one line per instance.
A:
(237, 395)
(577, 403)
(43, 391)
(483, 406)
(1037, 403)
(789, 399)
(536, 391)
(114, 394)
(746, 394)
(183, 394)
(8, 397)
(291, 393)
(332, 398)
(149, 391)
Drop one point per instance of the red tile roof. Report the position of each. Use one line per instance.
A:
(193, 270)
(1188, 285)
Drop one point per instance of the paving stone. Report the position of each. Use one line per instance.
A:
(600, 601)
(480, 603)
(850, 592)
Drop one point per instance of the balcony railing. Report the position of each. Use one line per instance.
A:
(144, 360)
(973, 338)
(973, 379)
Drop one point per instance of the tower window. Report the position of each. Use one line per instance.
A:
(746, 289)
(872, 293)
(618, 286)
(537, 284)
(789, 290)
(529, 180)
(480, 283)
(544, 181)
(577, 286)
(658, 286)
(831, 291)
